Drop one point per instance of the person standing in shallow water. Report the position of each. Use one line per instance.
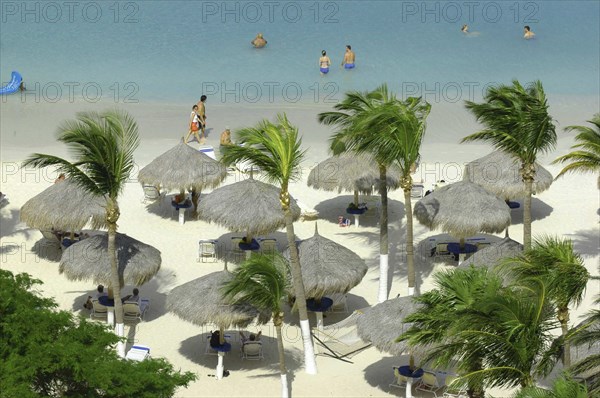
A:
(259, 41)
(528, 33)
(348, 62)
(324, 63)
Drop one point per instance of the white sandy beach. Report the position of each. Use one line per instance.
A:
(568, 208)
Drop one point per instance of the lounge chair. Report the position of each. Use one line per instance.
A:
(208, 151)
(340, 340)
(307, 213)
(138, 353)
(252, 350)
(340, 303)
(417, 191)
(453, 392)
(51, 237)
(268, 246)
(235, 253)
(207, 250)
(429, 383)
(441, 250)
(99, 311)
(134, 311)
(151, 194)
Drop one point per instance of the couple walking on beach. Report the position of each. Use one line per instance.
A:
(347, 62)
(198, 121)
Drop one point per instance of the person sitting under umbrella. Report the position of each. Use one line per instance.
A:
(215, 342)
(252, 338)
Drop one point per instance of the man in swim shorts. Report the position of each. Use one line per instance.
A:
(528, 33)
(348, 62)
(259, 41)
(202, 115)
(324, 63)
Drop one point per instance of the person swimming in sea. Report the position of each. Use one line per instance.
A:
(348, 62)
(528, 33)
(324, 63)
(259, 41)
(465, 28)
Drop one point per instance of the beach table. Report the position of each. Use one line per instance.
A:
(411, 376)
(356, 213)
(459, 252)
(319, 307)
(181, 208)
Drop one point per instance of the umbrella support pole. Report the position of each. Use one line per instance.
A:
(319, 320)
(182, 216)
(409, 383)
(110, 316)
(356, 220)
(220, 365)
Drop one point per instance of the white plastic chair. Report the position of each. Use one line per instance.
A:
(453, 392)
(151, 193)
(399, 380)
(268, 246)
(134, 311)
(252, 350)
(207, 250)
(429, 383)
(99, 311)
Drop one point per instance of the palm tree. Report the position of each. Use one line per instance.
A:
(275, 149)
(586, 334)
(391, 131)
(396, 131)
(586, 157)
(563, 272)
(102, 145)
(501, 336)
(516, 121)
(263, 281)
(563, 387)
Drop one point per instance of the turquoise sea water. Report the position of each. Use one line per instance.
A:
(174, 51)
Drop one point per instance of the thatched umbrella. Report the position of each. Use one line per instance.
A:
(327, 267)
(64, 206)
(201, 302)
(182, 167)
(88, 260)
(491, 255)
(248, 206)
(383, 323)
(351, 173)
(499, 173)
(463, 209)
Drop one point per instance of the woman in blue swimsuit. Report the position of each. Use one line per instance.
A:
(324, 62)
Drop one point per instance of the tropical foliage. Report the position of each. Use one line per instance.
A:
(275, 149)
(563, 272)
(586, 335)
(516, 121)
(586, 151)
(49, 353)
(102, 145)
(391, 131)
(263, 281)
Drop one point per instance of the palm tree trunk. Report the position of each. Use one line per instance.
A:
(410, 252)
(563, 318)
(528, 179)
(383, 236)
(278, 321)
(112, 216)
(310, 363)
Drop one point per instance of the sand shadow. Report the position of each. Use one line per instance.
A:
(380, 374)
(539, 211)
(586, 242)
(194, 349)
(331, 209)
(47, 249)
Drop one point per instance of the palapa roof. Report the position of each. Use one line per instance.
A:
(491, 255)
(64, 206)
(350, 172)
(201, 302)
(327, 266)
(88, 260)
(246, 206)
(463, 209)
(384, 322)
(498, 172)
(183, 167)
